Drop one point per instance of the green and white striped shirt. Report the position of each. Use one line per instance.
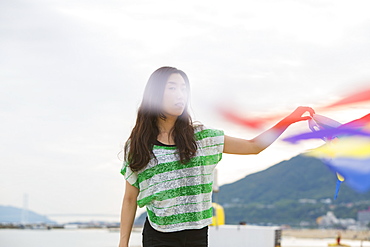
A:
(179, 196)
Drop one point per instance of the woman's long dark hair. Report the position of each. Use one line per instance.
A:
(139, 146)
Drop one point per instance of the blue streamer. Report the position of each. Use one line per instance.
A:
(337, 189)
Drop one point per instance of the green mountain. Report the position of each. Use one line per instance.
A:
(291, 192)
(9, 214)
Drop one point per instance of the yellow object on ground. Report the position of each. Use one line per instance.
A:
(335, 244)
(218, 217)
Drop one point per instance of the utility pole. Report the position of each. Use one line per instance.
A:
(24, 219)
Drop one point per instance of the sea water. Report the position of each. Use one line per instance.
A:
(106, 238)
(62, 238)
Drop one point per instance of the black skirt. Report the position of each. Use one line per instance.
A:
(184, 238)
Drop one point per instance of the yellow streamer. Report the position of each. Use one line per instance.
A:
(350, 147)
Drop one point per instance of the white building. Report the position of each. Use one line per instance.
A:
(363, 217)
(330, 220)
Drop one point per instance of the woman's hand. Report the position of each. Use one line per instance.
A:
(298, 115)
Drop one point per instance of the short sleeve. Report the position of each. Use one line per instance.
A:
(211, 141)
(219, 140)
(216, 138)
(129, 175)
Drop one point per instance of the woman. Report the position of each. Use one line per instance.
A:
(169, 163)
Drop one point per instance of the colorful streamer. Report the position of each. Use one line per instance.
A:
(327, 134)
(357, 97)
(340, 180)
(351, 147)
(355, 171)
(255, 123)
(346, 152)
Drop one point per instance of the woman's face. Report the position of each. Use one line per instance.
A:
(175, 96)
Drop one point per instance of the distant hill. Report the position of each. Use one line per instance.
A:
(9, 214)
(290, 192)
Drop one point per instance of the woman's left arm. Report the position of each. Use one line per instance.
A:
(234, 145)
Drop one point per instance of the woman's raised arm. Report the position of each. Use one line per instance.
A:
(234, 145)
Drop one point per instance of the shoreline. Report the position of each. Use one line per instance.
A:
(327, 233)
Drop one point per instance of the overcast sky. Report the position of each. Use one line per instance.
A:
(73, 72)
